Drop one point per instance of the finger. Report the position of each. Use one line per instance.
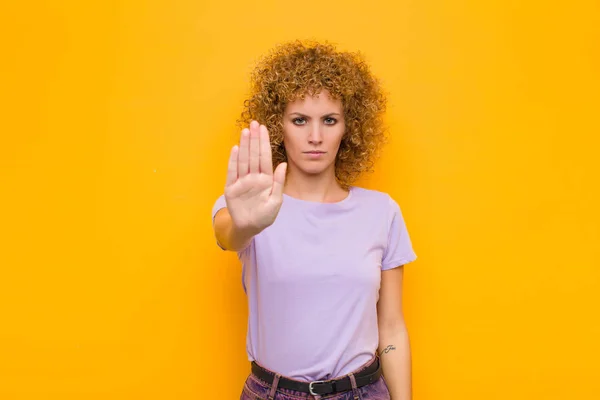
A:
(232, 167)
(243, 153)
(279, 181)
(254, 147)
(266, 159)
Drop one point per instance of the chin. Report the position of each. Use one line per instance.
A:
(312, 169)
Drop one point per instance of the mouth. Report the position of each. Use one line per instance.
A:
(315, 154)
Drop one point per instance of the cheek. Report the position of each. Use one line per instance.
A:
(338, 138)
(289, 142)
(292, 136)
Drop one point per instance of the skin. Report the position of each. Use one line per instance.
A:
(394, 343)
(254, 194)
(315, 123)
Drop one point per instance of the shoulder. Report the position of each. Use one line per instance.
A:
(373, 197)
(380, 205)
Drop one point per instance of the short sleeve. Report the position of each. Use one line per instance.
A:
(219, 204)
(399, 250)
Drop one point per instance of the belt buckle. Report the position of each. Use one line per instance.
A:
(310, 387)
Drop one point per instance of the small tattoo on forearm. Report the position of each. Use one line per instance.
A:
(388, 349)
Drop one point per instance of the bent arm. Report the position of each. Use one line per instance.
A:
(228, 236)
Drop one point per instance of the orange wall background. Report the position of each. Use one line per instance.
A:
(116, 122)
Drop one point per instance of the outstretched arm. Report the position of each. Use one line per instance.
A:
(253, 192)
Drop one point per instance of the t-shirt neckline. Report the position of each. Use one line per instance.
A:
(319, 203)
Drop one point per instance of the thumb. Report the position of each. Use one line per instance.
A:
(279, 181)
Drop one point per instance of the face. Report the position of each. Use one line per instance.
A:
(312, 133)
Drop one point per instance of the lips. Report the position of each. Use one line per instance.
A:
(314, 152)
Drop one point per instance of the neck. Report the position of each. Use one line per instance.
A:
(322, 188)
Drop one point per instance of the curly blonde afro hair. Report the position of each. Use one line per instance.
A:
(293, 70)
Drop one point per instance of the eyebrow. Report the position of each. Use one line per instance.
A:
(325, 115)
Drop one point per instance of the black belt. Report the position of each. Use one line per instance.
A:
(364, 377)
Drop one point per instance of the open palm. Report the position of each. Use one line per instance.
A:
(253, 192)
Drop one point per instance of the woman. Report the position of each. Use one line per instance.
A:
(322, 259)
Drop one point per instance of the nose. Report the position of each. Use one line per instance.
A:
(315, 136)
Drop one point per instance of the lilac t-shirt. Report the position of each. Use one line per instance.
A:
(312, 281)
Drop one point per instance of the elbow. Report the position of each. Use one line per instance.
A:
(392, 328)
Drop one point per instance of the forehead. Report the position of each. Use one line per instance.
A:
(317, 102)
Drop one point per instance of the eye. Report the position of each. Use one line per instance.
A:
(330, 121)
(299, 121)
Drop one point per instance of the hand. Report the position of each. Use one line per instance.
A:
(253, 192)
